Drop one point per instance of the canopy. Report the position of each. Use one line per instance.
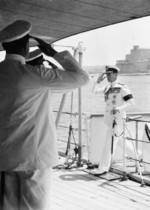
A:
(54, 20)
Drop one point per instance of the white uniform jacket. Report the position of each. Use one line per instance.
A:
(27, 128)
(117, 95)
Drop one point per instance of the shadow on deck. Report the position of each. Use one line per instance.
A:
(77, 189)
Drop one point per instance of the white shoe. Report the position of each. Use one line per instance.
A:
(99, 172)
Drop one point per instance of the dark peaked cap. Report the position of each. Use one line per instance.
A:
(15, 31)
(34, 55)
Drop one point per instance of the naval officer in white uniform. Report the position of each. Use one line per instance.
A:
(117, 98)
(28, 138)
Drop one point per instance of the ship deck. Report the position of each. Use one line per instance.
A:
(77, 189)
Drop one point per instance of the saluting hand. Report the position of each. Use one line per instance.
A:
(101, 77)
(46, 48)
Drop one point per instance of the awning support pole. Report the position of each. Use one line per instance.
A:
(79, 163)
(63, 98)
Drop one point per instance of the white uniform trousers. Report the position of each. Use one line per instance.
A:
(107, 155)
(27, 190)
(105, 160)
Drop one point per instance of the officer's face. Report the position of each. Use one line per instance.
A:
(111, 76)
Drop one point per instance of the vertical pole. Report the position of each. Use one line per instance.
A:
(79, 51)
(62, 103)
(80, 116)
(87, 137)
(124, 152)
(136, 146)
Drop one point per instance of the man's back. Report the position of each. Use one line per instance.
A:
(28, 143)
(25, 119)
(27, 131)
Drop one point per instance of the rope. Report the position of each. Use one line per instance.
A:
(71, 132)
(136, 140)
(71, 109)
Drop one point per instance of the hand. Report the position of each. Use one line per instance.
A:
(114, 111)
(45, 47)
(101, 77)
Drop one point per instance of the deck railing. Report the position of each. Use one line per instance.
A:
(71, 142)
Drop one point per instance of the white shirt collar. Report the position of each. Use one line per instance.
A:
(15, 57)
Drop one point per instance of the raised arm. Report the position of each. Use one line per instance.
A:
(96, 89)
(71, 76)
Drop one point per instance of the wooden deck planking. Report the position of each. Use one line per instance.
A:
(85, 202)
(76, 189)
(77, 195)
(92, 192)
(101, 193)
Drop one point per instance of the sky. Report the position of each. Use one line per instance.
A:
(106, 45)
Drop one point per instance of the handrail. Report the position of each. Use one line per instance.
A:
(134, 118)
(138, 167)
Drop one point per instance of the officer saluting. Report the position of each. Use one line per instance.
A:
(117, 98)
(36, 57)
(28, 138)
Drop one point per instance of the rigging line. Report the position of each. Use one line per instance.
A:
(128, 138)
(68, 46)
(83, 145)
(70, 133)
(75, 129)
(74, 114)
(71, 108)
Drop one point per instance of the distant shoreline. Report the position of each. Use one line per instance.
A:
(135, 74)
(128, 74)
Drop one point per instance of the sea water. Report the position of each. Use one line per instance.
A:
(94, 103)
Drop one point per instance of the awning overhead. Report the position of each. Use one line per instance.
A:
(57, 19)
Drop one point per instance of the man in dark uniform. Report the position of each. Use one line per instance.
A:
(36, 57)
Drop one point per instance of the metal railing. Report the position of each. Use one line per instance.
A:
(136, 140)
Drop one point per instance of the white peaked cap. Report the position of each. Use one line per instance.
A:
(15, 31)
(112, 69)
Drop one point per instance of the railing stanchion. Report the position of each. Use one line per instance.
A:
(124, 153)
(136, 144)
